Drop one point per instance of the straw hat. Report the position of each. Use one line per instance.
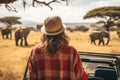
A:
(53, 26)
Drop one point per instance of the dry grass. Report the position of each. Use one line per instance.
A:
(13, 59)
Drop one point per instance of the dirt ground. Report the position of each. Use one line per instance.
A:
(13, 59)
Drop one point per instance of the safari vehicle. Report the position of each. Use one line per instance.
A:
(101, 66)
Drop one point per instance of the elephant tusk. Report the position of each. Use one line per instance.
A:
(23, 38)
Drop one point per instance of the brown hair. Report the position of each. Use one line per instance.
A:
(51, 44)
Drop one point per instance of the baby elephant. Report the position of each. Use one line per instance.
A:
(6, 32)
(99, 35)
(21, 34)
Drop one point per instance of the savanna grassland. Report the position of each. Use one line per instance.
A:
(13, 59)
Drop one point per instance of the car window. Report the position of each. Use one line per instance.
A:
(91, 67)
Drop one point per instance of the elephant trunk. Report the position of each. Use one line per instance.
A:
(23, 38)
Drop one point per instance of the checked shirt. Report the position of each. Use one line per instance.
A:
(63, 65)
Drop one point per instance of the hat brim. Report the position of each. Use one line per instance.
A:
(54, 33)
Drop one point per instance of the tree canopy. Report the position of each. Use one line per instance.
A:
(10, 20)
(110, 11)
(109, 14)
(34, 2)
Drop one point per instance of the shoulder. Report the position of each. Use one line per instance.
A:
(36, 50)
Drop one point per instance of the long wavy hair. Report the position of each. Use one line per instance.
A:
(51, 44)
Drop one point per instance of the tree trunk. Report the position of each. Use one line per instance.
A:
(107, 28)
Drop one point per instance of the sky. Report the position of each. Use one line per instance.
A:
(74, 12)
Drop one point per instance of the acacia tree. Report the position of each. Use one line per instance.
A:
(107, 14)
(10, 20)
(34, 2)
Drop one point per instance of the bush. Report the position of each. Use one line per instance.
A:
(82, 28)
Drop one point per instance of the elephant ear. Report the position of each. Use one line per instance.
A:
(103, 33)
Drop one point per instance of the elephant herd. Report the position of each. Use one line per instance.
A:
(22, 34)
(19, 34)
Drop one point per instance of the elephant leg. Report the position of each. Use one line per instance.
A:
(26, 44)
(3, 36)
(21, 43)
(16, 42)
(107, 42)
(101, 41)
(7, 36)
(94, 42)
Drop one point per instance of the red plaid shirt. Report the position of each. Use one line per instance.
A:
(64, 65)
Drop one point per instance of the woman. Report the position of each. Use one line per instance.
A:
(54, 59)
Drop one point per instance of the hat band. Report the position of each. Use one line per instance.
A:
(55, 31)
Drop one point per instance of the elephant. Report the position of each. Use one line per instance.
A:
(21, 34)
(38, 27)
(99, 35)
(6, 32)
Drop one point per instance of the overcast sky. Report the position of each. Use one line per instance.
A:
(74, 12)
